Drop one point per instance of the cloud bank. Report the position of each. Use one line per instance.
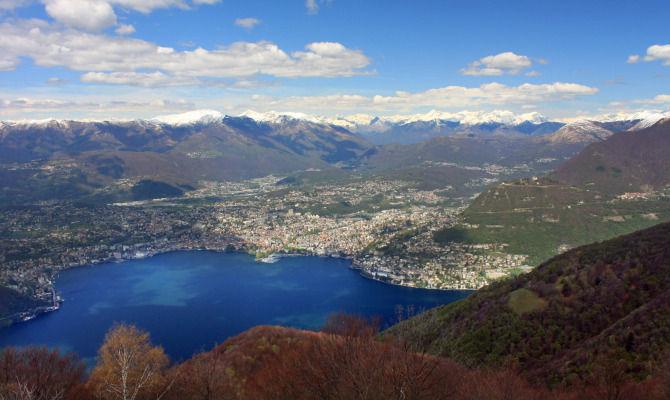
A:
(491, 94)
(120, 60)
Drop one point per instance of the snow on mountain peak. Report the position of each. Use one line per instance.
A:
(366, 122)
(191, 117)
(580, 131)
(278, 117)
(647, 118)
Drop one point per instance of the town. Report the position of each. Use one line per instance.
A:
(385, 227)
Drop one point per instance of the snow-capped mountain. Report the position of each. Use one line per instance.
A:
(416, 128)
(365, 123)
(419, 127)
(275, 117)
(581, 131)
(588, 131)
(189, 118)
(648, 118)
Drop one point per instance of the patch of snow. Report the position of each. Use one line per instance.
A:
(647, 119)
(188, 118)
(279, 117)
(366, 122)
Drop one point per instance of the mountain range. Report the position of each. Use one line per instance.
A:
(409, 129)
(70, 159)
(104, 161)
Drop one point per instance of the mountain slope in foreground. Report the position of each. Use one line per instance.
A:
(591, 305)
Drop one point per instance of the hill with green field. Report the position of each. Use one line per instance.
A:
(587, 199)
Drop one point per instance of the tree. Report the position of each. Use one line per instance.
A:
(35, 373)
(206, 376)
(129, 367)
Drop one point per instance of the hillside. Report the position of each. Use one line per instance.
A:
(340, 362)
(11, 300)
(542, 218)
(104, 160)
(583, 201)
(595, 304)
(626, 162)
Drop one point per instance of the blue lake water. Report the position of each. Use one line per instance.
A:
(191, 300)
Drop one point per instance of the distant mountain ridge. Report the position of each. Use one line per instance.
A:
(61, 159)
(68, 159)
(433, 123)
(626, 162)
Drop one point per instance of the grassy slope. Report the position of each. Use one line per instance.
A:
(538, 217)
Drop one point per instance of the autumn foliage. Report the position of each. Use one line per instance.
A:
(40, 373)
(129, 367)
(343, 361)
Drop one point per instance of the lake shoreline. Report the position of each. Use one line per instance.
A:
(174, 295)
(30, 314)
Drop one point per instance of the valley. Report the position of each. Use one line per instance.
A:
(404, 214)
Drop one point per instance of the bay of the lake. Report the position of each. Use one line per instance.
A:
(191, 300)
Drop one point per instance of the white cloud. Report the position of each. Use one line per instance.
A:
(57, 81)
(495, 94)
(9, 64)
(499, 64)
(12, 4)
(507, 60)
(633, 59)
(125, 29)
(91, 15)
(143, 79)
(532, 73)
(159, 79)
(96, 15)
(147, 6)
(312, 6)
(49, 46)
(38, 106)
(659, 99)
(247, 23)
(659, 52)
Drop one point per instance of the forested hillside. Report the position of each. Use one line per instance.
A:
(600, 304)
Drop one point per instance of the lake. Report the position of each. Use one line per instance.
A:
(192, 300)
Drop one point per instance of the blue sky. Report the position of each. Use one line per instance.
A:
(108, 59)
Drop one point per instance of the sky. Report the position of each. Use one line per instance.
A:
(127, 59)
